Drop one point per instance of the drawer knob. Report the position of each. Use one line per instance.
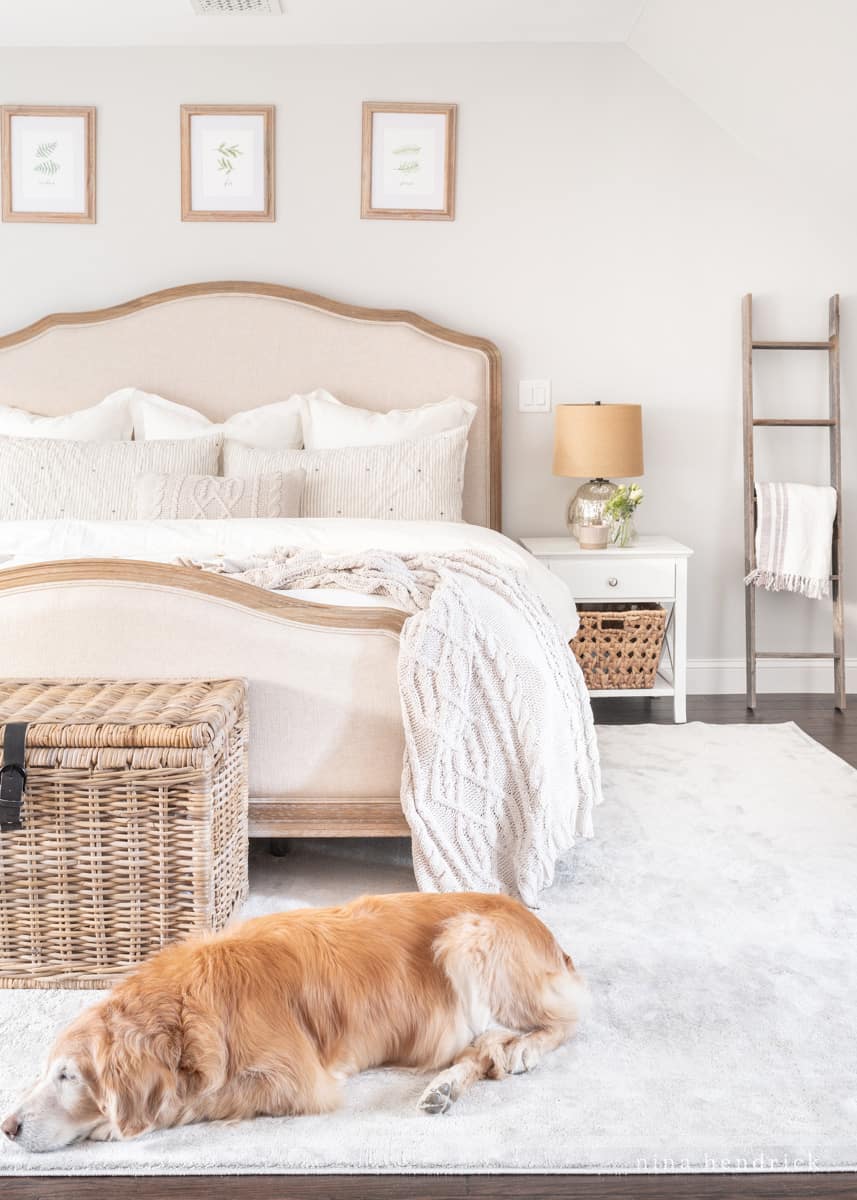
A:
(612, 581)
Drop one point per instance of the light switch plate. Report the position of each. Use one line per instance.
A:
(534, 395)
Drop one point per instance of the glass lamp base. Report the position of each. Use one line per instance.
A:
(587, 504)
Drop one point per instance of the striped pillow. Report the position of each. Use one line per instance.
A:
(46, 478)
(405, 481)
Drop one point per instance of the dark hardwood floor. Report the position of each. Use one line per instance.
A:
(816, 715)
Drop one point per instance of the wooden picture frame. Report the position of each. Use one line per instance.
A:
(430, 165)
(209, 170)
(52, 148)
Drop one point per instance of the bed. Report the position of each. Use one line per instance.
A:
(106, 599)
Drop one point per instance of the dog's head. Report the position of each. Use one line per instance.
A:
(106, 1078)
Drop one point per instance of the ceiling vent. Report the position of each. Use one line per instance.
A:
(262, 8)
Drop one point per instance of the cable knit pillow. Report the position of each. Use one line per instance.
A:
(328, 423)
(407, 481)
(45, 479)
(213, 498)
(109, 421)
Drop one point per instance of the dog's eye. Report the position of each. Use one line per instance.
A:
(63, 1076)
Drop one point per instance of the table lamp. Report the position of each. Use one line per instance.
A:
(595, 441)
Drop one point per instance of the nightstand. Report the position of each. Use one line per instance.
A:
(651, 568)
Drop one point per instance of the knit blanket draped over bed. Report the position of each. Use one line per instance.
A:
(501, 766)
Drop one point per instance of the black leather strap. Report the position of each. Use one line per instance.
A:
(13, 775)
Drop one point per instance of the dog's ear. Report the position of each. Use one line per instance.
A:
(137, 1065)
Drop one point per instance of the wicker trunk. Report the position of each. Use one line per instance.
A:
(133, 824)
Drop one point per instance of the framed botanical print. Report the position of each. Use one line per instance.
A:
(408, 161)
(48, 163)
(227, 162)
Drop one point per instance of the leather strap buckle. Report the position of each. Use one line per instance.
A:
(13, 776)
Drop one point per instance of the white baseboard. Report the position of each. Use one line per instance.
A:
(725, 676)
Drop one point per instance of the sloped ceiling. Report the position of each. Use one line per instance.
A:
(778, 75)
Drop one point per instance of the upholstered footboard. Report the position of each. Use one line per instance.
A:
(326, 736)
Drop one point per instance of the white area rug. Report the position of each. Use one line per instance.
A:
(715, 915)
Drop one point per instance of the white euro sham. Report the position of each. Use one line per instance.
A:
(270, 427)
(329, 424)
(108, 421)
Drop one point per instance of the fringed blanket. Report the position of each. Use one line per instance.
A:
(794, 536)
(501, 764)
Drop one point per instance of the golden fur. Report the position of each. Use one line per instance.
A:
(271, 1015)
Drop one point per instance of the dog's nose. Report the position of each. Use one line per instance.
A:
(11, 1127)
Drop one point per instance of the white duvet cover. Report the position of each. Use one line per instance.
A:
(165, 541)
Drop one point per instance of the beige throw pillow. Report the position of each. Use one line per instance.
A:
(405, 481)
(214, 498)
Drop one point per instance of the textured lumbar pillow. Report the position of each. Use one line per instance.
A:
(44, 479)
(328, 423)
(213, 498)
(271, 427)
(408, 481)
(109, 421)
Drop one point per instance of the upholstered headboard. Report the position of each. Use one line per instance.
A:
(226, 347)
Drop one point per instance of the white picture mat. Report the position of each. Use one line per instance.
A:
(409, 160)
(241, 188)
(48, 164)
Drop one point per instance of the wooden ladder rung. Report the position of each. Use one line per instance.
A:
(794, 654)
(793, 424)
(791, 345)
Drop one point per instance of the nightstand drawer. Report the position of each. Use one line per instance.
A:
(624, 579)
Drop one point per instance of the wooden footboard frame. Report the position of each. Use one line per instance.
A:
(270, 816)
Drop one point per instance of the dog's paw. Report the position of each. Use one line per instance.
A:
(103, 1133)
(521, 1057)
(438, 1097)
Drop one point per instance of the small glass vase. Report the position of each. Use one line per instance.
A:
(623, 532)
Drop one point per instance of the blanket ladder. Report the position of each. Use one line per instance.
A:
(832, 423)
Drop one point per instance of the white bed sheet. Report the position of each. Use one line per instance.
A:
(24, 542)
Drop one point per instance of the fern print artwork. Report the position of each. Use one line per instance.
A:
(46, 164)
(229, 161)
(48, 171)
(227, 156)
(409, 161)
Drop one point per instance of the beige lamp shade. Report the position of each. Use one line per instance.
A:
(597, 441)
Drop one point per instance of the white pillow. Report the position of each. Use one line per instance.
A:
(47, 479)
(271, 427)
(328, 423)
(405, 481)
(108, 421)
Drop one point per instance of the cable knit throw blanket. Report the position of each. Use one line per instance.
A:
(501, 764)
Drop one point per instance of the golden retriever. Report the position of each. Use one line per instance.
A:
(268, 1017)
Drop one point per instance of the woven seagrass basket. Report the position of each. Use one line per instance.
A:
(132, 829)
(619, 645)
